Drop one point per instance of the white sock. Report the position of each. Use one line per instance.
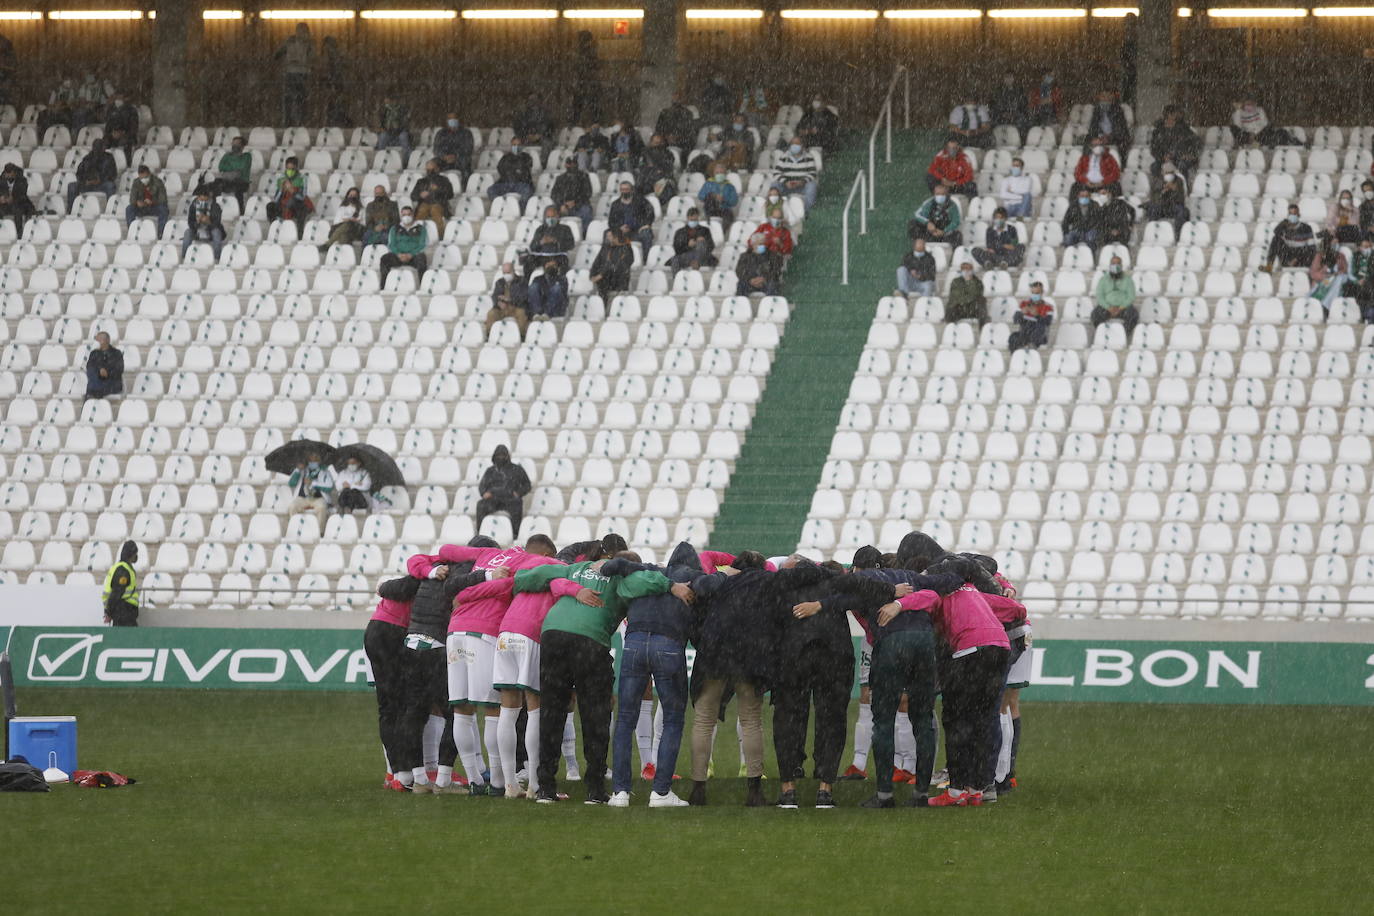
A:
(644, 733)
(505, 739)
(445, 777)
(863, 736)
(469, 749)
(498, 776)
(387, 758)
(570, 745)
(421, 777)
(434, 731)
(739, 733)
(658, 732)
(532, 749)
(405, 778)
(905, 756)
(1004, 755)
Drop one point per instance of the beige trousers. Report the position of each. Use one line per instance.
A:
(749, 708)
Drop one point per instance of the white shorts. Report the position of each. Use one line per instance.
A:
(1019, 674)
(470, 657)
(517, 662)
(865, 662)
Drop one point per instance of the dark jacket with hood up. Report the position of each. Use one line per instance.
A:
(116, 608)
(866, 590)
(741, 630)
(665, 614)
(504, 479)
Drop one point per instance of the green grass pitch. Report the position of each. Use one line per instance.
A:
(272, 802)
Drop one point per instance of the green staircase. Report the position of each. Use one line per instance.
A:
(784, 452)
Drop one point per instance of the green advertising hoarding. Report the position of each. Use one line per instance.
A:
(1071, 670)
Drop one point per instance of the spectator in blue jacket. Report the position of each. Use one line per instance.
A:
(718, 197)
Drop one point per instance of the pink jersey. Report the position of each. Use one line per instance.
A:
(484, 614)
(393, 612)
(711, 559)
(526, 611)
(966, 620)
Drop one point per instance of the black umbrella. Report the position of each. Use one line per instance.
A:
(283, 460)
(378, 464)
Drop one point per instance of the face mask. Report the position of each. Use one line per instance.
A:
(720, 178)
(1083, 201)
(407, 220)
(1369, 195)
(1292, 217)
(1015, 170)
(760, 249)
(692, 224)
(291, 172)
(1116, 269)
(515, 149)
(615, 128)
(816, 105)
(773, 198)
(1169, 171)
(238, 149)
(1366, 251)
(1097, 151)
(314, 465)
(452, 122)
(737, 127)
(968, 274)
(794, 149)
(1345, 201)
(940, 198)
(550, 221)
(625, 196)
(1035, 297)
(999, 223)
(774, 221)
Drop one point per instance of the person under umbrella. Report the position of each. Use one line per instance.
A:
(353, 485)
(503, 488)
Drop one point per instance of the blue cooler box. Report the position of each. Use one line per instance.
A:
(38, 738)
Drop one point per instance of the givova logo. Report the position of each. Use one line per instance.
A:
(62, 656)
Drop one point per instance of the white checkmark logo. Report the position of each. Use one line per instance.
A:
(80, 642)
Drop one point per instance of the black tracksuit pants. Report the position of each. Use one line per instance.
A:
(972, 689)
(568, 662)
(817, 673)
(426, 686)
(383, 642)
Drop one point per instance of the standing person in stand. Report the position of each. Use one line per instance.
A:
(120, 596)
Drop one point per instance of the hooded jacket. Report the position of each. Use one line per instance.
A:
(504, 479)
(119, 581)
(662, 614)
(432, 607)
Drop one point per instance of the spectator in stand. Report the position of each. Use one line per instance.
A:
(633, 216)
(717, 101)
(708, 155)
(1172, 140)
(1019, 191)
(453, 146)
(1367, 207)
(121, 126)
(91, 99)
(1118, 219)
(1032, 320)
(970, 124)
(1003, 246)
(586, 95)
(1115, 298)
(1009, 105)
(61, 101)
(592, 149)
(693, 245)
(797, 170)
(292, 202)
(756, 107)
(951, 167)
(312, 484)
(719, 197)
(550, 244)
(677, 125)
(572, 193)
(1362, 277)
(104, 369)
(1108, 120)
(548, 297)
(626, 147)
(611, 269)
(1168, 198)
(1292, 244)
(432, 194)
(379, 217)
(297, 55)
(510, 285)
(937, 219)
(776, 233)
(395, 128)
(966, 299)
(514, 175)
(204, 223)
(738, 145)
(95, 173)
(916, 274)
(1343, 219)
(405, 246)
(235, 170)
(820, 126)
(534, 125)
(507, 305)
(1329, 273)
(1250, 126)
(1097, 169)
(14, 197)
(353, 485)
(1083, 223)
(503, 487)
(657, 171)
(349, 226)
(1046, 100)
(147, 199)
(758, 270)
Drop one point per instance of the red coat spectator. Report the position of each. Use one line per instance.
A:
(1046, 100)
(951, 167)
(778, 235)
(1107, 168)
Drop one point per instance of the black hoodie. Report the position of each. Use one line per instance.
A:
(665, 614)
(504, 480)
(432, 605)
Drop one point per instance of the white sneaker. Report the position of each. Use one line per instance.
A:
(666, 800)
(619, 800)
(574, 775)
(514, 792)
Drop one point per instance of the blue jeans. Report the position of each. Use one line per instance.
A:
(399, 138)
(1023, 207)
(649, 655)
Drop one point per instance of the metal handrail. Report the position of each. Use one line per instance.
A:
(885, 119)
(861, 187)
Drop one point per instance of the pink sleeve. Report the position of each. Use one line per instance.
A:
(770, 566)
(1008, 610)
(421, 564)
(457, 553)
(714, 558)
(564, 588)
(923, 600)
(492, 588)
